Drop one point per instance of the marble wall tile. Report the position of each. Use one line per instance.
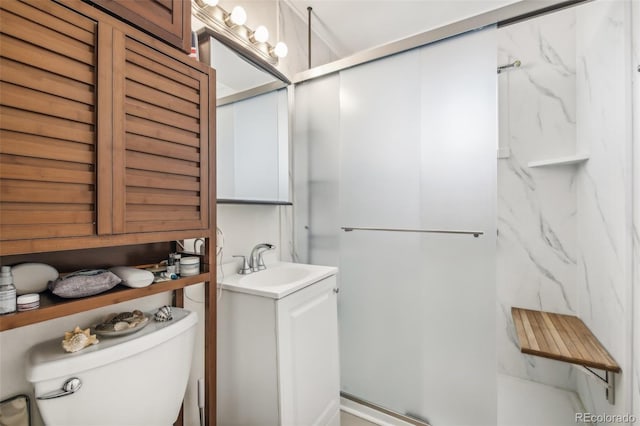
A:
(536, 246)
(604, 203)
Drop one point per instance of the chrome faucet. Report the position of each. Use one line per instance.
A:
(256, 263)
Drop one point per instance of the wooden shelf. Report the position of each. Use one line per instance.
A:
(560, 161)
(560, 337)
(54, 307)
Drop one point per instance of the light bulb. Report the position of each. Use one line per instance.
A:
(211, 2)
(281, 49)
(238, 16)
(261, 34)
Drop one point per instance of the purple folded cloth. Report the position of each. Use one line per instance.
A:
(86, 282)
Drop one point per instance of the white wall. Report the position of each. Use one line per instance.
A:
(536, 246)
(284, 24)
(244, 226)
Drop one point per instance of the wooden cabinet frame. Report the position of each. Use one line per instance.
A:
(174, 27)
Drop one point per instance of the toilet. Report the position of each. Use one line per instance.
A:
(135, 380)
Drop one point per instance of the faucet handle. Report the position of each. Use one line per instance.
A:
(246, 269)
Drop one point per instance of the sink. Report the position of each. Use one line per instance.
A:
(278, 280)
(276, 276)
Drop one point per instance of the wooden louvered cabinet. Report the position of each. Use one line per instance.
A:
(160, 141)
(104, 132)
(169, 20)
(48, 122)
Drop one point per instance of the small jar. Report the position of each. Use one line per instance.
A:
(28, 302)
(189, 266)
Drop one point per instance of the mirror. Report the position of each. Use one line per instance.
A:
(252, 144)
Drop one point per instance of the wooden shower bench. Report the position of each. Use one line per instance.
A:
(564, 338)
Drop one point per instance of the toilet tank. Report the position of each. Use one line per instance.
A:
(134, 380)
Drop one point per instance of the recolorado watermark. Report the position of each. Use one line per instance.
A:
(605, 418)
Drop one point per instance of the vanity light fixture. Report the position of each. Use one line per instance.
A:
(232, 27)
(238, 16)
(260, 35)
(280, 50)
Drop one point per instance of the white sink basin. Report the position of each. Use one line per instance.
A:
(278, 280)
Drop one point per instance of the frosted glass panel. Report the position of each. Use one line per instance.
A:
(379, 187)
(457, 191)
(317, 168)
(380, 135)
(409, 142)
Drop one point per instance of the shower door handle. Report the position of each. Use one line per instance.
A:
(70, 386)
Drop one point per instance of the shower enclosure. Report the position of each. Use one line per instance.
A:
(385, 153)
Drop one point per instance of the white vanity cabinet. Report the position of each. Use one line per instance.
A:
(278, 358)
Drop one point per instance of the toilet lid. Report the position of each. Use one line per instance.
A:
(47, 360)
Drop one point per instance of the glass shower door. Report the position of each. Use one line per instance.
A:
(411, 146)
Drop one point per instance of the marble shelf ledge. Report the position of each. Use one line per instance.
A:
(560, 161)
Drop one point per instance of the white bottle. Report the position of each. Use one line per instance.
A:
(7, 291)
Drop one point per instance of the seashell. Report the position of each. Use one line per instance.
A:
(163, 314)
(122, 321)
(78, 339)
(122, 325)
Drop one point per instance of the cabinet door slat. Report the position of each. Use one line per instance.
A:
(161, 115)
(163, 199)
(34, 195)
(46, 82)
(18, 232)
(145, 62)
(46, 217)
(144, 179)
(26, 145)
(166, 149)
(52, 15)
(43, 103)
(38, 35)
(38, 57)
(147, 94)
(168, 215)
(140, 161)
(159, 131)
(19, 171)
(161, 83)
